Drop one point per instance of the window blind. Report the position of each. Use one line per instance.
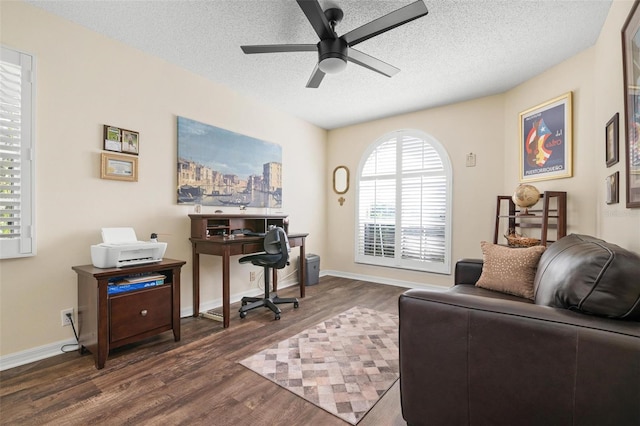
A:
(403, 205)
(16, 169)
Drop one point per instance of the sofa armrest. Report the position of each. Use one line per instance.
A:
(470, 302)
(468, 271)
(467, 359)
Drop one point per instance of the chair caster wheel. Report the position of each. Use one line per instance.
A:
(243, 314)
(295, 305)
(277, 316)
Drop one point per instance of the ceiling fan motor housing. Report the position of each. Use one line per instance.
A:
(332, 48)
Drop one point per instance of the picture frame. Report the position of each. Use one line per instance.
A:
(221, 168)
(611, 141)
(117, 139)
(545, 138)
(613, 188)
(112, 138)
(119, 167)
(130, 142)
(631, 77)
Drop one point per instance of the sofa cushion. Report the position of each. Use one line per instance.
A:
(589, 275)
(509, 270)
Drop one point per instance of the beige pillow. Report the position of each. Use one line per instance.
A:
(509, 270)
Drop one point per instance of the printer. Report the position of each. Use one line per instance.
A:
(120, 247)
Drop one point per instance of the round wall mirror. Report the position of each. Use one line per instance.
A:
(341, 180)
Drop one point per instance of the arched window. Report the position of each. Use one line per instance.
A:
(404, 203)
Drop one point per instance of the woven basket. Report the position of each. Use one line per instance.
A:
(517, 240)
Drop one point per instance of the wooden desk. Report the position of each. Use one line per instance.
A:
(226, 247)
(107, 321)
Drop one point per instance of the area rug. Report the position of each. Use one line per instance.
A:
(343, 365)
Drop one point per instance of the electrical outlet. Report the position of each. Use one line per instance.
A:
(252, 276)
(63, 316)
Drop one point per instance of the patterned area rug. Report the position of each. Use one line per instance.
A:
(343, 365)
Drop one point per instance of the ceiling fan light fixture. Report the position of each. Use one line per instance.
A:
(332, 55)
(332, 65)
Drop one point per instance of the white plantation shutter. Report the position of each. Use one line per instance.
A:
(16, 155)
(404, 204)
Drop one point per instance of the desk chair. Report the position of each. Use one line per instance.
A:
(275, 256)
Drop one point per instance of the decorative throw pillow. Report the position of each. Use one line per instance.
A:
(509, 270)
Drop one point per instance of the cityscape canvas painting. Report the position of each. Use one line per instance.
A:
(217, 167)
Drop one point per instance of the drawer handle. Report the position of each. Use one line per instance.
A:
(143, 312)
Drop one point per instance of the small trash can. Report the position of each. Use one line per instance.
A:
(312, 269)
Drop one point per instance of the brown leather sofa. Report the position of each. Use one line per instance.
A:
(472, 356)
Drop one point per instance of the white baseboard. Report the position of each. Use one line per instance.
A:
(217, 303)
(42, 352)
(36, 354)
(381, 280)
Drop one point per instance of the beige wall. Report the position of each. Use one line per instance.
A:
(595, 77)
(613, 222)
(489, 127)
(85, 80)
(474, 126)
(574, 75)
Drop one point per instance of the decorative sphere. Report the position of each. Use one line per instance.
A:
(525, 196)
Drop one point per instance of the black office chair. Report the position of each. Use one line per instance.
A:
(276, 256)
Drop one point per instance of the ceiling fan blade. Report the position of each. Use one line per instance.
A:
(316, 17)
(369, 62)
(275, 48)
(385, 23)
(316, 78)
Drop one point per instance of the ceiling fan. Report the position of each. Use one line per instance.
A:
(334, 51)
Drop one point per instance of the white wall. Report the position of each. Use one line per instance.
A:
(85, 80)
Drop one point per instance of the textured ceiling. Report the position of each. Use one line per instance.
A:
(461, 50)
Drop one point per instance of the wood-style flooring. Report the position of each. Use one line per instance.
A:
(196, 381)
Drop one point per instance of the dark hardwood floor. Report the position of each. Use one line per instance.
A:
(197, 380)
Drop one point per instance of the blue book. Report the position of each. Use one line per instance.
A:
(125, 287)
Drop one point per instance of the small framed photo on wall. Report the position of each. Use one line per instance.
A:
(611, 141)
(119, 167)
(112, 139)
(130, 141)
(121, 140)
(613, 188)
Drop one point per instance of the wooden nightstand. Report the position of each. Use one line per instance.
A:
(107, 321)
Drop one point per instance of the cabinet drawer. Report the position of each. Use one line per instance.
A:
(138, 312)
